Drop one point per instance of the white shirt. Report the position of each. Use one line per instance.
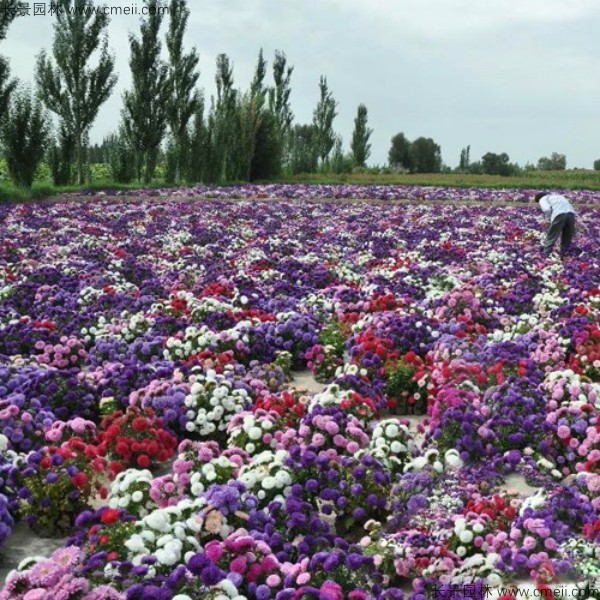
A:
(554, 205)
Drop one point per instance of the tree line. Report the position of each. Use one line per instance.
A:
(234, 136)
(165, 118)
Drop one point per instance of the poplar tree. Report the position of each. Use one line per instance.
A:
(71, 88)
(279, 102)
(251, 117)
(183, 75)
(146, 105)
(196, 167)
(223, 160)
(323, 116)
(8, 12)
(361, 149)
(25, 134)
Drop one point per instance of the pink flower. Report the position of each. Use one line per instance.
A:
(352, 447)
(36, 594)
(318, 439)
(339, 440)
(238, 565)
(529, 543)
(213, 551)
(269, 563)
(563, 432)
(332, 428)
(303, 579)
(550, 544)
(330, 590)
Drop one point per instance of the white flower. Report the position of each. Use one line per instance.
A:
(478, 528)
(396, 447)
(255, 433)
(157, 520)
(466, 537)
(136, 544)
(453, 459)
(391, 430)
(269, 483)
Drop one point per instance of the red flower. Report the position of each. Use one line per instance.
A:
(143, 461)
(139, 424)
(79, 479)
(110, 516)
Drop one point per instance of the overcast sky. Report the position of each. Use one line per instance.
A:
(515, 76)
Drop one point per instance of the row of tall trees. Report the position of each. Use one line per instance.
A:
(238, 135)
(493, 163)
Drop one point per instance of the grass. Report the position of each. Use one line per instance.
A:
(572, 179)
(575, 179)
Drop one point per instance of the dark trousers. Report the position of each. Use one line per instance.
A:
(563, 226)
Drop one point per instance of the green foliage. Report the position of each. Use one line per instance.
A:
(71, 88)
(6, 86)
(530, 179)
(266, 162)
(25, 136)
(399, 381)
(185, 98)
(248, 119)
(332, 335)
(146, 105)
(60, 155)
(556, 162)
(195, 165)
(426, 156)
(497, 164)
(399, 156)
(222, 150)
(597, 165)
(4, 176)
(100, 172)
(465, 160)
(340, 163)
(304, 149)
(323, 116)
(279, 103)
(121, 158)
(284, 360)
(361, 149)
(422, 155)
(10, 193)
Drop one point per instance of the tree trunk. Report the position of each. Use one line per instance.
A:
(79, 159)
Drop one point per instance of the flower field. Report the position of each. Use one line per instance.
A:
(148, 412)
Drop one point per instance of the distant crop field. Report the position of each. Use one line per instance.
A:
(573, 179)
